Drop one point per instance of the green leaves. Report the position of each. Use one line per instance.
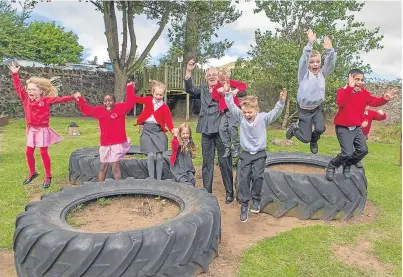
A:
(43, 42)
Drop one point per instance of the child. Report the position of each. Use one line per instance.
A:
(370, 115)
(114, 143)
(154, 117)
(183, 151)
(228, 125)
(352, 101)
(311, 92)
(37, 98)
(252, 159)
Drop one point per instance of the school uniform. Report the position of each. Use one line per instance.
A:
(228, 129)
(208, 125)
(181, 164)
(348, 120)
(114, 142)
(369, 116)
(311, 94)
(252, 159)
(155, 117)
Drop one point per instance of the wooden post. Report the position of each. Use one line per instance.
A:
(165, 81)
(187, 106)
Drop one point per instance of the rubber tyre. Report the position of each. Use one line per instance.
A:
(45, 245)
(84, 166)
(311, 196)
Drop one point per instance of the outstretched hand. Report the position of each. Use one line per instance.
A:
(77, 95)
(390, 94)
(327, 43)
(131, 84)
(351, 81)
(14, 67)
(311, 35)
(283, 94)
(191, 65)
(227, 88)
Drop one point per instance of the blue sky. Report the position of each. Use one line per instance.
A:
(82, 19)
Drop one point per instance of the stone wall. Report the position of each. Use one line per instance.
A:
(94, 85)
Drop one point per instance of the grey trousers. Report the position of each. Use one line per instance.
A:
(209, 144)
(251, 169)
(306, 118)
(229, 130)
(353, 147)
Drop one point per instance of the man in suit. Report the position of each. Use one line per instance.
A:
(208, 126)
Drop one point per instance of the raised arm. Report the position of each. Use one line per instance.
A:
(330, 57)
(130, 97)
(191, 89)
(18, 87)
(240, 87)
(57, 100)
(88, 110)
(236, 112)
(374, 101)
(271, 116)
(174, 144)
(379, 115)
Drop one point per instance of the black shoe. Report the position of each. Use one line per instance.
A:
(314, 147)
(346, 171)
(244, 213)
(359, 165)
(30, 178)
(255, 208)
(291, 130)
(229, 199)
(227, 153)
(45, 184)
(330, 173)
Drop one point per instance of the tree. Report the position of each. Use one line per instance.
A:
(54, 45)
(192, 31)
(124, 59)
(15, 42)
(273, 62)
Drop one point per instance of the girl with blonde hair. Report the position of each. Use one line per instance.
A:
(155, 117)
(37, 98)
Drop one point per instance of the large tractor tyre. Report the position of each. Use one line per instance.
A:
(311, 196)
(84, 166)
(45, 245)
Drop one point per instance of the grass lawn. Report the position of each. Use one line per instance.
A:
(304, 251)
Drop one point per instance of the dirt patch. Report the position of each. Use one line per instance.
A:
(360, 256)
(123, 213)
(297, 168)
(7, 268)
(283, 142)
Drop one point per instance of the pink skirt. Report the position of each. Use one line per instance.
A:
(113, 153)
(42, 136)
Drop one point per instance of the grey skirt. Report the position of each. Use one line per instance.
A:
(183, 171)
(153, 139)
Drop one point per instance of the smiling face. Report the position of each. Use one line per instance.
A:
(185, 134)
(212, 77)
(109, 102)
(314, 64)
(34, 92)
(158, 93)
(359, 82)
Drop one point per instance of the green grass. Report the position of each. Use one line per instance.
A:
(304, 251)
